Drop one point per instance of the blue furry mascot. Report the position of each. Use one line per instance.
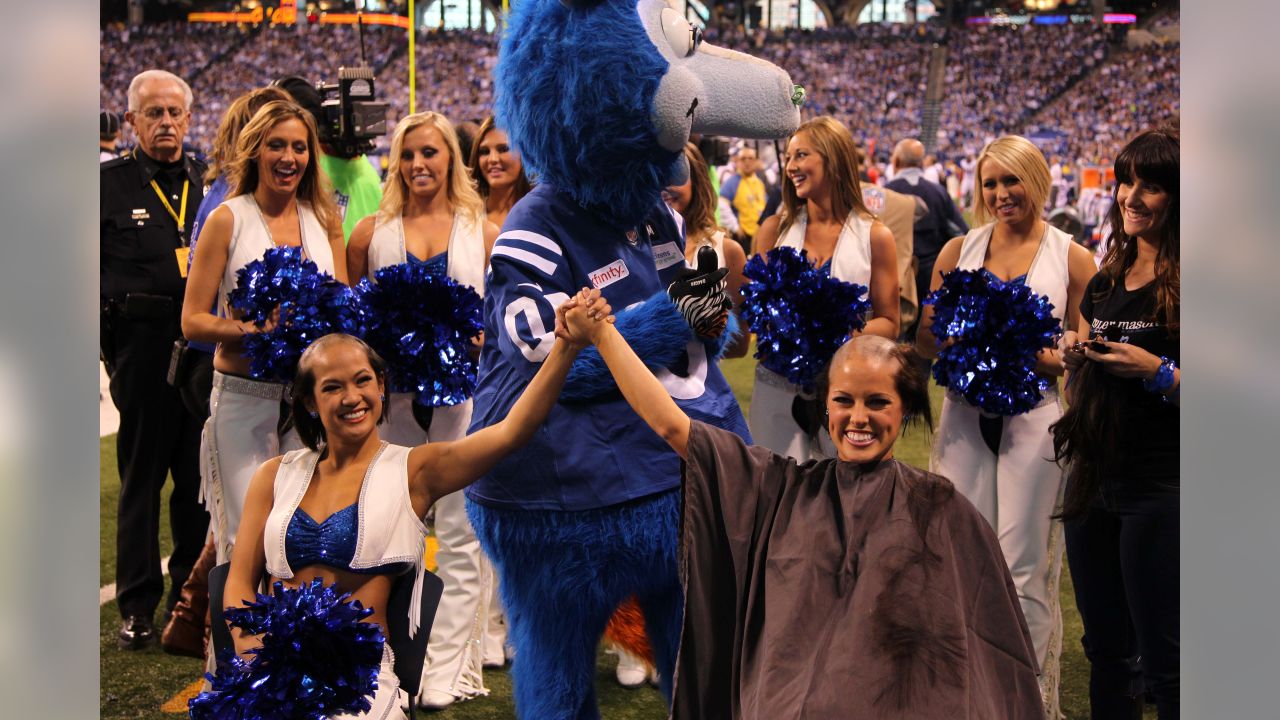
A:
(599, 97)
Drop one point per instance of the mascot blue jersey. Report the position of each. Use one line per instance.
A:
(595, 451)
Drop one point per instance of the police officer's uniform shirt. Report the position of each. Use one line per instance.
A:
(587, 454)
(139, 238)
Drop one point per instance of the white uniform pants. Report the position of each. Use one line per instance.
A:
(1016, 491)
(239, 436)
(454, 653)
(385, 703)
(494, 641)
(772, 424)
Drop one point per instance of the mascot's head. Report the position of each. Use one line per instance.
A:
(599, 97)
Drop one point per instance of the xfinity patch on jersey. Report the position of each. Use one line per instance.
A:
(666, 255)
(609, 274)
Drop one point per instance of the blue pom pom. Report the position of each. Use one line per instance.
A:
(999, 328)
(312, 304)
(799, 314)
(422, 324)
(318, 659)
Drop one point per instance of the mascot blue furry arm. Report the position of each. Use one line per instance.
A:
(599, 97)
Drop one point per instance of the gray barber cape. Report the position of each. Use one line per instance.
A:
(831, 590)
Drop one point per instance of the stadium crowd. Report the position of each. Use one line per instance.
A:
(999, 79)
(998, 76)
(1134, 89)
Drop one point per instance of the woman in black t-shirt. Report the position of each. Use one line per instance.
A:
(1119, 442)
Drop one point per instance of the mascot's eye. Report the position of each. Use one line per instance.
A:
(683, 37)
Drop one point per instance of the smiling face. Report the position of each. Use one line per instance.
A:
(1144, 206)
(1004, 194)
(284, 156)
(160, 121)
(496, 160)
(865, 411)
(348, 394)
(424, 161)
(805, 168)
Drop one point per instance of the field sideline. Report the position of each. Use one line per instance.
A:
(139, 684)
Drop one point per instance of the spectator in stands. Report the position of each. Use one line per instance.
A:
(746, 192)
(940, 220)
(883, 101)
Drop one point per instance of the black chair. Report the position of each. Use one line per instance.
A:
(411, 653)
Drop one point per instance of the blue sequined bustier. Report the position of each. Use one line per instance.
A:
(436, 264)
(1020, 279)
(331, 543)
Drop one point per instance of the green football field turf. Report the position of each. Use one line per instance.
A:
(138, 684)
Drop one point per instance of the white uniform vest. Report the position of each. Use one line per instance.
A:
(466, 249)
(771, 422)
(388, 531)
(1048, 274)
(851, 258)
(250, 240)
(716, 241)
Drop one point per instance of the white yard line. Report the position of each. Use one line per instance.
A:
(107, 592)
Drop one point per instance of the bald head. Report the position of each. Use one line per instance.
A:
(908, 153)
(898, 361)
(869, 347)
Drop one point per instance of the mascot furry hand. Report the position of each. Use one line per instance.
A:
(600, 98)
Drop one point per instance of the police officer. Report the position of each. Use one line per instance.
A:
(148, 205)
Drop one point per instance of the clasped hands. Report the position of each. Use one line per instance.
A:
(581, 319)
(1118, 358)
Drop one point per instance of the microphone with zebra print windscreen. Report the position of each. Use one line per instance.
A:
(701, 295)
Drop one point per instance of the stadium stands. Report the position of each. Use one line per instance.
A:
(998, 79)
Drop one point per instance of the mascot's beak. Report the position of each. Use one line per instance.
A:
(679, 171)
(725, 92)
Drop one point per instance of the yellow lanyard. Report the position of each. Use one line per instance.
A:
(179, 218)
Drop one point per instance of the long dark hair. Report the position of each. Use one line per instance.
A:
(1087, 437)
